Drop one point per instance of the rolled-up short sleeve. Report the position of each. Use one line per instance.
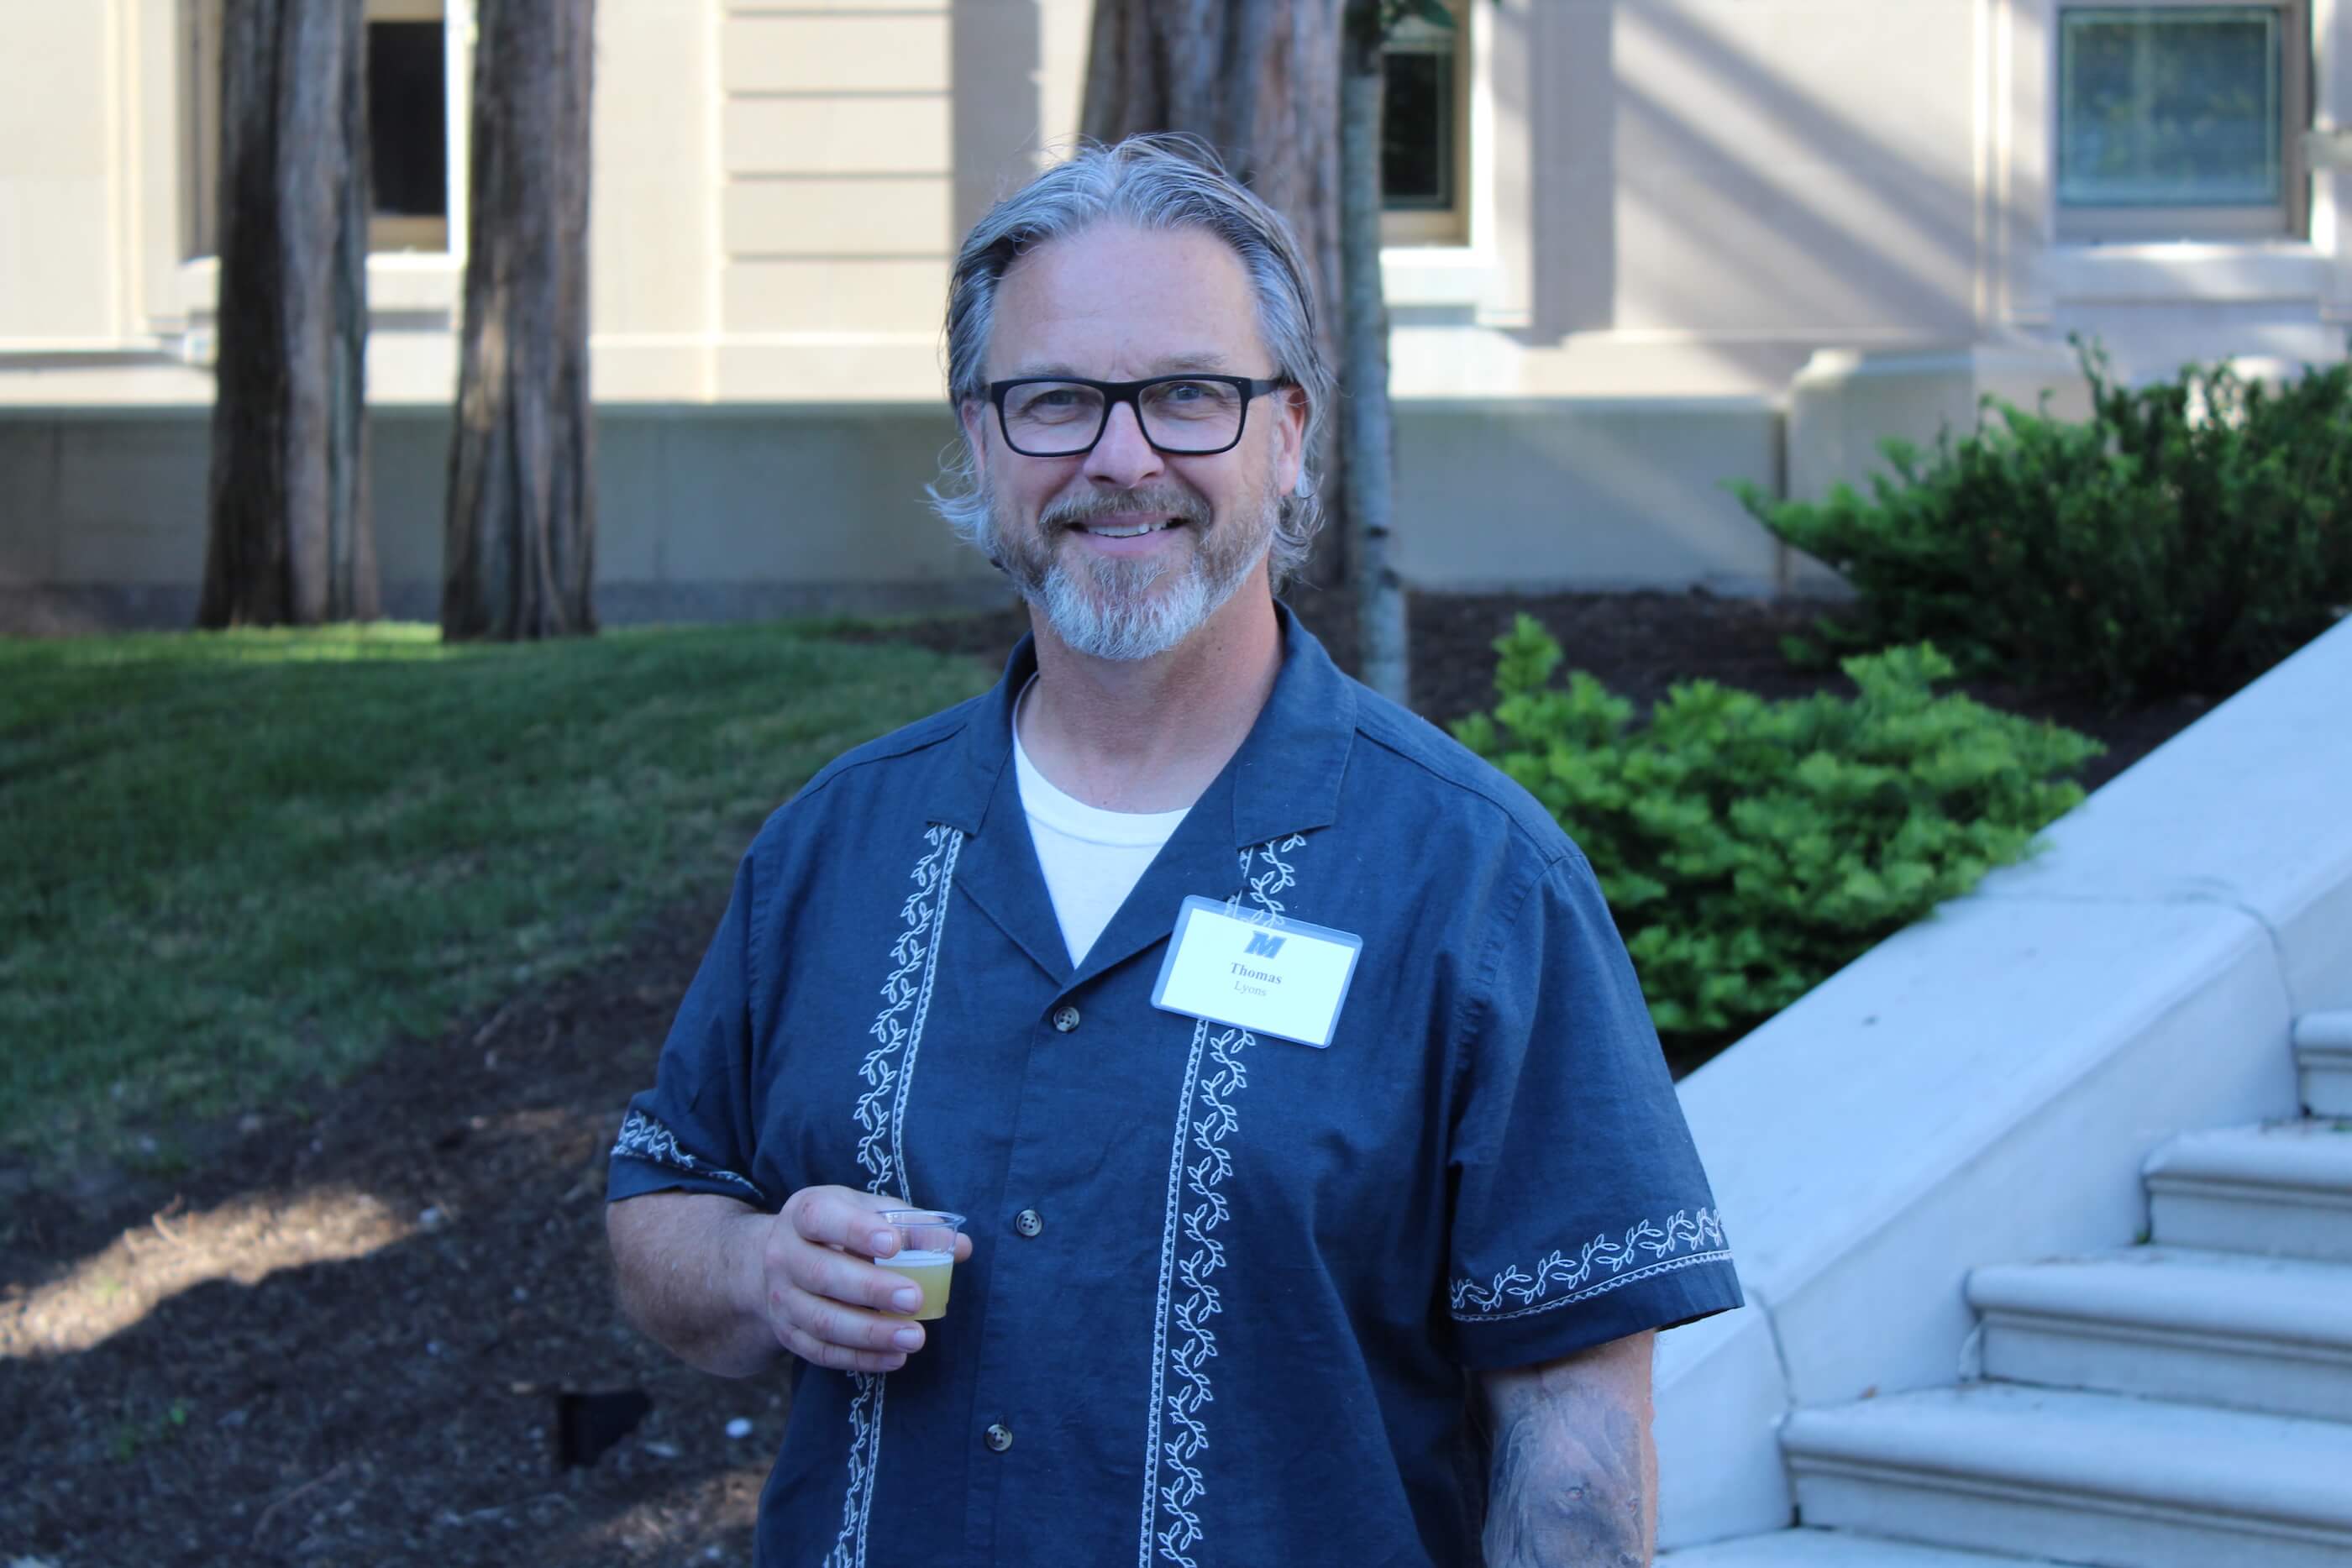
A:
(1580, 1212)
(691, 1132)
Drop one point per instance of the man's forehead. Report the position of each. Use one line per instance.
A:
(1219, 362)
(1161, 302)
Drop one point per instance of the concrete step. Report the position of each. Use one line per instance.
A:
(2078, 1478)
(2271, 1335)
(1832, 1549)
(2323, 1048)
(2283, 1189)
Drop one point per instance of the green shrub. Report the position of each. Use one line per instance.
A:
(2186, 538)
(1751, 847)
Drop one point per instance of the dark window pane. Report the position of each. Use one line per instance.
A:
(2170, 106)
(1417, 131)
(408, 128)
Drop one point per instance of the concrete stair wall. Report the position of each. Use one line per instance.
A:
(2178, 1405)
(2174, 1404)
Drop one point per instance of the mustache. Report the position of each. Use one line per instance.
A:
(1161, 500)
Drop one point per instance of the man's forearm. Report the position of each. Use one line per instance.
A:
(1574, 1473)
(688, 1272)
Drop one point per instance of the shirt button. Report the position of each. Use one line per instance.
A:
(998, 1438)
(1065, 1019)
(1029, 1222)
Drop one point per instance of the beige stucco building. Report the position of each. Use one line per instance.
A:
(1648, 245)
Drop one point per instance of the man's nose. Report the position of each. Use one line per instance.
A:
(1123, 458)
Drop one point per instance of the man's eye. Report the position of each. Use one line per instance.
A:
(1057, 404)
(1192, 400)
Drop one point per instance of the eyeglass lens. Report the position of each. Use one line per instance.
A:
(1053, 419)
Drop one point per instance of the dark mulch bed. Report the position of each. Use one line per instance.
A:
(398, 1402)
(398, 1405)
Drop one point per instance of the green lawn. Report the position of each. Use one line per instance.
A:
(233, 865)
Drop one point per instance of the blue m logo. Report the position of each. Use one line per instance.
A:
(1261, 943)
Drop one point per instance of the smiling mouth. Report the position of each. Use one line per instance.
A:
(1127, 531)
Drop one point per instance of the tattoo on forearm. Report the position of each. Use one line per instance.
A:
(1567, 1483)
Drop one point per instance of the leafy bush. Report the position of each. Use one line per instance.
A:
(1751, 848)
(2186, 538)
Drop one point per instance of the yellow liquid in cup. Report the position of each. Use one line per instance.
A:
(932, 1271)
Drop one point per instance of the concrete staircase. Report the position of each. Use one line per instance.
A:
(2184, 1404)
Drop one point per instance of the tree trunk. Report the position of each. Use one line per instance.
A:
(519, 554)
(1258, 80)
(1367, 439)
(289, 538)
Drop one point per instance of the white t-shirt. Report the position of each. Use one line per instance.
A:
(1092, 858)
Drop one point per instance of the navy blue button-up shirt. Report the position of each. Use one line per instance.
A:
(1243, 1332)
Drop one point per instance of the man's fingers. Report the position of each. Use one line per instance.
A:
(836, 1216)
(838, 1357)
(858, 1330)
(839, 1277)
(962, 1247)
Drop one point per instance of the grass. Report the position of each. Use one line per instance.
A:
(235, 864)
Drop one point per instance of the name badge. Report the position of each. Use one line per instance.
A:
(1284, 978)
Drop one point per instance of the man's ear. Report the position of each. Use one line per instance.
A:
(972, 414)
(1290, 437)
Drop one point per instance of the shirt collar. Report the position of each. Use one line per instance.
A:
(1284, 779)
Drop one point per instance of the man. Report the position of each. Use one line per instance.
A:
(1357, 1261)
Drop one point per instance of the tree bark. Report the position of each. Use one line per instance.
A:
(1257, 80)
(288, 537)
(520, 552)
(1367, 439)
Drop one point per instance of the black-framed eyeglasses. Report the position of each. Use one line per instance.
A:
(1181, 416)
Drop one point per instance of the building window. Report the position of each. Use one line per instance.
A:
(408, 124)
(2179, 120)
(1424, 164)
(200, 85)
(408, 129)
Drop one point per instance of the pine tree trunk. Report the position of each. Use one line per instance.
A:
(1258, 80)
(519, 554)
(289, 538)
(1367, 438)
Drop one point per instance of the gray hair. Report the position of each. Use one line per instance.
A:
(1157, 182)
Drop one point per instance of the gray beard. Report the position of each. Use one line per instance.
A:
(1109, 611)
(1119, 617)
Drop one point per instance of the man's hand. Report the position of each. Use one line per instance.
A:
(1575, 1475)
(821, 1298)
(724, 1286)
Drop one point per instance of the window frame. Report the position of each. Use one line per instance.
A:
(2289, 218)
(408, 232)
(1449, 225)
(388, 234)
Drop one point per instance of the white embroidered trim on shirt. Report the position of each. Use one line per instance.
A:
(649, 1139)
(1194, 1343)
(889, 1072)
(925, 913)
(1618, 1258)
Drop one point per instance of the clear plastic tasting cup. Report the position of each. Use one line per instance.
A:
(926, 1254)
